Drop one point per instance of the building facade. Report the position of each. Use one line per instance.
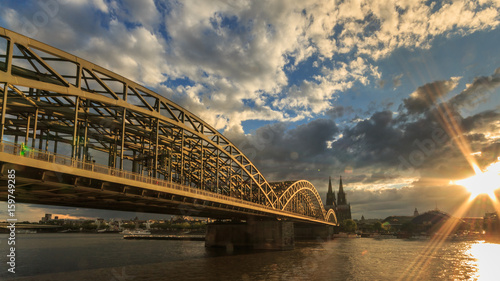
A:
(338, 203)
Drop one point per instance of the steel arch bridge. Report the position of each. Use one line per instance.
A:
(86, 121)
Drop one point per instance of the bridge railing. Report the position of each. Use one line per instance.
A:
(46, 156)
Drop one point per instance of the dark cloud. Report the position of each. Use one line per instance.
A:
(382, 151)
(369, 141)
(339, 111)
(380, 148)
(427, 95)
(283, 152)
(483, 120)
(477, 92)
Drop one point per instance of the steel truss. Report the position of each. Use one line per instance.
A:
(56, 102)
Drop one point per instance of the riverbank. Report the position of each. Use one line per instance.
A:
(164, 237)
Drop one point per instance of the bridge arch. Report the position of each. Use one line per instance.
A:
(302, 193)
(331, 216)
(58, 103)
(100, 111)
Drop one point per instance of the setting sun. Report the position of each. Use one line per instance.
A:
(483, 182)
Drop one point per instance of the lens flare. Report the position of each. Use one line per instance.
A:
(483, 182)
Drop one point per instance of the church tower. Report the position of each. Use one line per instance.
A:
(330, 196)
(341, 196)
(339, 204)
(342, 210)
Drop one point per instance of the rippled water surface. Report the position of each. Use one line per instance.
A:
(109, 257)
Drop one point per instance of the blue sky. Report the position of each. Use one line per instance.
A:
(317, 88)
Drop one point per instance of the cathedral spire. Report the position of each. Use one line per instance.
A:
(330, 196)
(341, 195)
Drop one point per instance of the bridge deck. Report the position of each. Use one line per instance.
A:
(47, 178)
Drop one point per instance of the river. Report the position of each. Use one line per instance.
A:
(96, 257)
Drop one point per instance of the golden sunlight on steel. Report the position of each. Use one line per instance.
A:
(483, 182)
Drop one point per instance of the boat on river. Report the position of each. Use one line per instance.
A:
(136, 232)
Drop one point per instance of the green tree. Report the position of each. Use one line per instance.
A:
(349, 226)
(128, 226)
(89, 225)
(408, 227)
(377, 226)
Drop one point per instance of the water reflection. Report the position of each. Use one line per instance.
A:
(486, 259)
(73, 257)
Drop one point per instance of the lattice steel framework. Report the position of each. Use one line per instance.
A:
(57, 102)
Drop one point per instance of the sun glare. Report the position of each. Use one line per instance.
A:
(483, 182)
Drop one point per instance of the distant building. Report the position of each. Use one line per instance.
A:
(396, 223)
(366, 225)
(415, 213)
(339, 204)
(491, 224)
(433, 221)
(46, 218)
(475, 223)
(99, 221)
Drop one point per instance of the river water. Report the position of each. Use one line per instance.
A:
(95, 257)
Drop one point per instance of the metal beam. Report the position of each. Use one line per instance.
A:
(75, 129)
(4, 109)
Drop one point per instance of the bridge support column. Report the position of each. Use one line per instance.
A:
(314, 232)
(259, 235)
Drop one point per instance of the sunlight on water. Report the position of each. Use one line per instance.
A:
(486, 255)
(60, 256)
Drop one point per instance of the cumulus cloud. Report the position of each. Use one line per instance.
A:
(134, 52)
(238, 52)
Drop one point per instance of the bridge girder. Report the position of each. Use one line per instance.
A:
(302, 193)
(57, 102)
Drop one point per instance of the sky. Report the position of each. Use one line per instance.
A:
(309, 89)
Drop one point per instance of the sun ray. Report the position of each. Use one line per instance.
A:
(422, 261)
(483, 182)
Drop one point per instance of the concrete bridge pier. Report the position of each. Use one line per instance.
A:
(258, 235)
(314, 232)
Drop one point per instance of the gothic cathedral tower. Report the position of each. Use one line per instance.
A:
(339, 205)
(330, 196)
(342, 200)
